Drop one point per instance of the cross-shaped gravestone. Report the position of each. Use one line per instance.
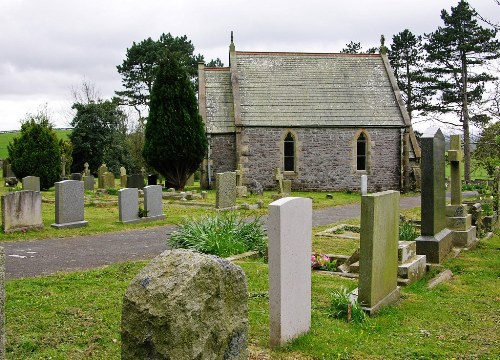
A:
(455, 156)
(63, 166)
(239, 175)
(86, 167)
(278, 176)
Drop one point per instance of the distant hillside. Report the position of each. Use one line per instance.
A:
(6, 137)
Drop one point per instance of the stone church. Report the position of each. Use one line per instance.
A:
(322, 119)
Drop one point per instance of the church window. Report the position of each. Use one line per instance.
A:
(361, 152)
(289, 153)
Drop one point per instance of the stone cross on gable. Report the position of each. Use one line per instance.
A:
(278, 176)
(239, 175)
(455, 156)
(86, 171)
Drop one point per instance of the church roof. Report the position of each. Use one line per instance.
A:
(300, 90)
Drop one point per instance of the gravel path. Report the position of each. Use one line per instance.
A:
(43, 257)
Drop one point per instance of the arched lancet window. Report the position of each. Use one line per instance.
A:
(289, 153)
(361, 152)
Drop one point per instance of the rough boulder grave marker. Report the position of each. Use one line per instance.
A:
(22, 210)
(31, 183)
(435, 241)
(153, 204)
(69, 204)
(457, 218)
(225, 190)
(186, 305)
(290, 246)
(378, 253)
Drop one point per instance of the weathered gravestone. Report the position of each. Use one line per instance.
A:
(2, 303)
(457, 218)
(108, 180)
(435, 241)
(22, 210)
(76, 176)
(186, 305)
(88, 182)
(86, 171)
(135, 181)
(69, 204)
(287, 187)
(153, 204)
(290, 245)
(123, 177)
(189, 181)
(378, 253)
(7, 170)
(278, 176)
(364, 184)
(100, 176)
(31, 183)
(225, 197)
(128, 205)
(241, 190)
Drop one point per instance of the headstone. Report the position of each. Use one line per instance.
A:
(135, 181)
(190, 180)
(128, 205)
(22, 210)
(31, 183)
(76, 176)
(287, 187)
(435, 241)
(278, 176)
(89, 182)
(204, 195)
(123, 181)
(225, 197)
(2, 303)
(186, 305)
(69, 204)
(86, 171)
(290, 247)
(239, 175)
(100, 176)
(109, 180)
(364, 184)
(152, 179)
(378, 254)
(153, 203)
(123, 171)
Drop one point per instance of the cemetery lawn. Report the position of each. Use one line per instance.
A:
(77, 315)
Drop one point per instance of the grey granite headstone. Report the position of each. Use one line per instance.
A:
(153, 202)
(31, 183)
(2, 303)
(69, 204)
(135, 181)
(128, 205)
(89, 182)
(225, 190)
(435, 241)
(22, 210)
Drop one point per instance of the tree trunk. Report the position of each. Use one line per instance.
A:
(465, 119)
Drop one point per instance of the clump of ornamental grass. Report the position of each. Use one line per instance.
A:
(343, 307)
(224, 234)
(408, 231)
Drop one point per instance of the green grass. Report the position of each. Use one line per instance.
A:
(6, 138)
(77, 315)
(476, 171)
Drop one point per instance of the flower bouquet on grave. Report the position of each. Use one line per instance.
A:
(322, 262)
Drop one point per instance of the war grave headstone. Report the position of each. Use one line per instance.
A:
(135, 181)
(108, 180)
(153, 204)
(123, 177)
(2, 303)
(128, 205)
(457, 218)
(290, 247)
(364, 184)
(152, 179)
(22, 210)
(31, 183)
(241, 190)
(378, 253)
(69, 204)
(76, 176)
(188, 306)
(225, 184)
(89, 182)
(100, 176)
(435, 240)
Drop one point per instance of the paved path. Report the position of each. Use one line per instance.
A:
(42, 257)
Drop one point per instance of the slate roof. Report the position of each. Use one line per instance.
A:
(302, 90)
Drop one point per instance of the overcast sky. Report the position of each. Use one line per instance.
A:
(47, 47)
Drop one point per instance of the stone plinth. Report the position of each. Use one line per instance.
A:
(22, 210)
(69, 204)
(225, 185)
(31, 183)
(378, 254)
(411, 267)
(289, 229)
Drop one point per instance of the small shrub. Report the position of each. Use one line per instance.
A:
(487, 208)
(112, 191)
(407, 231)
(223, 235)
(142, 212)
(340, 301)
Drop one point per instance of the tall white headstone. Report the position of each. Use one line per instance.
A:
(364, 184)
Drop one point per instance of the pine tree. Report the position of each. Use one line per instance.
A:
(454, 51)
(175, 141)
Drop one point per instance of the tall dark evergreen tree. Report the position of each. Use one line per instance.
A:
(175, 141)
(454, 51)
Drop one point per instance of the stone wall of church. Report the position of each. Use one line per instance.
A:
(325, 157)
(223, 153)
